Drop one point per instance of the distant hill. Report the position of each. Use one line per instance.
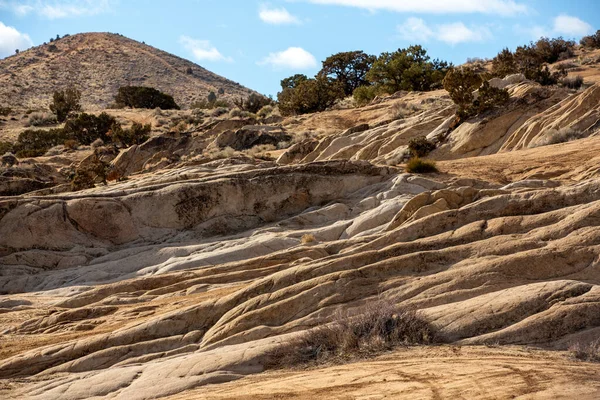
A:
(98, 64)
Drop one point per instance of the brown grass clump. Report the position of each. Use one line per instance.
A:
(588, 352)
(368, 331)
(308, 238)
(418, 166)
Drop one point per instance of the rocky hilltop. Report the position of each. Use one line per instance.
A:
(98, 64)
(223, 239)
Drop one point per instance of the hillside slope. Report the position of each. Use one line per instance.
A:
(98, 64)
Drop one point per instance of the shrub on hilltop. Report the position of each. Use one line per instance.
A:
(144, 97)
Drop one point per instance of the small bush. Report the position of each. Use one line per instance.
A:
(575, 82)
(369, 331)
(265, 111)
(36, 142)
(253, 103)
(5, 111)
(420, 146)
(86, 175)
(65, 102)
(144, 97)
(137, 134)
(559, 136)
(363, 95)
(462, 82)
(86, 128)
(418, 166)
(217, 112)
(402, 110)
(41, 119)
(71, 144)
(308, 95)
(589, 352)
(205, 105)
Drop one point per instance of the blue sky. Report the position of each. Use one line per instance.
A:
(257, 43)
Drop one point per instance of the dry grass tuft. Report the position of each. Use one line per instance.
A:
(418, 166)
(367, 332)
(308, 238)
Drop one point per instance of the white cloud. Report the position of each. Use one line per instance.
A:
(55, 9)
(277, 16)
(567, 25)
(502, 7)
(416, 30)
(203, 50)
(11, 39)
(293, 57)
(458, 33)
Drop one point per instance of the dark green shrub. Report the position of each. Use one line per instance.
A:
(592, 41)
(420, 146)
(144, 97)
(86, 128)
(417, 166)
(64, 102)
(308, 96)
(137, 134)
(36, 142)
(349, 69)
(5, 111)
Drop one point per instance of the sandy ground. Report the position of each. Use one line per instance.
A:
(425, 373)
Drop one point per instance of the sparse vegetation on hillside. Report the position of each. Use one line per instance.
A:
(368, 331)
(65, 102)
(532, 60)
(144, 97)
